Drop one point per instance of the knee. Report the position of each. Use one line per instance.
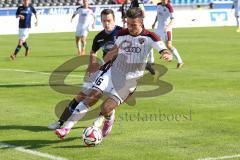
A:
(92, 98)
(106, 109)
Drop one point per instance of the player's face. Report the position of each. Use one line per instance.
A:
(135, 26)
(165, 1)
(85, 3)
(108, 22)
(26, 2)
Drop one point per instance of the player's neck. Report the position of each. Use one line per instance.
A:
(137, 33)
(25, 5)
(109, 32)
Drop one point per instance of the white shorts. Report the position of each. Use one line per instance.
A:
(23, 33)
(164, 36)
(116, 87)
(82, 30)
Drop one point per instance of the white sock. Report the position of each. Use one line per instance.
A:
(78, 113)
(99, 121)
(176, 54)
(151, 56)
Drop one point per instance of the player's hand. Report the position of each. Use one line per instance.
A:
(93, 68)
(93, 26)
(166, 55)
(21, 17)
(36, 23)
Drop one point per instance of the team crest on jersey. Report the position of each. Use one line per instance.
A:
(141, 40)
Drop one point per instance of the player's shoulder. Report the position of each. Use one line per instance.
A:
(123, 32)
(119, 27)
(31, 6)
(100, 35)
(79, 8)
(150, 35)
(169, 6)
(20, 7)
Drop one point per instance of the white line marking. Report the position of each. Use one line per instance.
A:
(29, 71)
(36, 153)
(219, 158)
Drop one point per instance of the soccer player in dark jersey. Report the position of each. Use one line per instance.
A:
(132, 48)
(104, 40)
(24, 13)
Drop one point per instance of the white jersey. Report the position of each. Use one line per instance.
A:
(164, 14)
(85, 18)
(134, 51)
(236, 4)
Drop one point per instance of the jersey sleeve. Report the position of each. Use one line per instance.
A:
(18, 11)
(95, 45)
(156, 42)
(170, 8)
(78, 10)
(33, 10)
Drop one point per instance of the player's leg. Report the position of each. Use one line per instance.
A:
(238, 25)
(79, 112)
(100, 85)
(83, 43)
(26, 32)
(78, 45)
(118, 95)
(21, 40)
(150, 63)
(73, 104)
(106, 116)
(173, 49)
(68, 111)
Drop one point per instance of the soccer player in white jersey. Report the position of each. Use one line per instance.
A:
(165, 19)
(131, 50)
(83, 26)
(236, 6)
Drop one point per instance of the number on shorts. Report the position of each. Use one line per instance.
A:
(99, 81)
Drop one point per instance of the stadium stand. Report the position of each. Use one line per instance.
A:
(40, 3)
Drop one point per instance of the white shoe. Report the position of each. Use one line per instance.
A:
(54, 126)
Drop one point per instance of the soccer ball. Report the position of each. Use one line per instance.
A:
(92, 136)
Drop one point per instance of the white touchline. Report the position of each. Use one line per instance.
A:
(36, 153)
(29, 71)
(219, 158)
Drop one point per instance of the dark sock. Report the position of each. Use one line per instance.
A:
(150, 69)
(68, 111)
(17, 50)
(25, 45)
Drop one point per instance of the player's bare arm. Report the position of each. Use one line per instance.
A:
(93, 64)
(36, 17)
(154, 23)
(111, 54)
(73, 17)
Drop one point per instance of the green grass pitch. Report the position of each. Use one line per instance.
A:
(206, 99)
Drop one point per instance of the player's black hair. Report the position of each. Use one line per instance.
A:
(107, 12)
(135, 12)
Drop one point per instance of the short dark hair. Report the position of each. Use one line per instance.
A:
(135, 12)
(107, 12)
